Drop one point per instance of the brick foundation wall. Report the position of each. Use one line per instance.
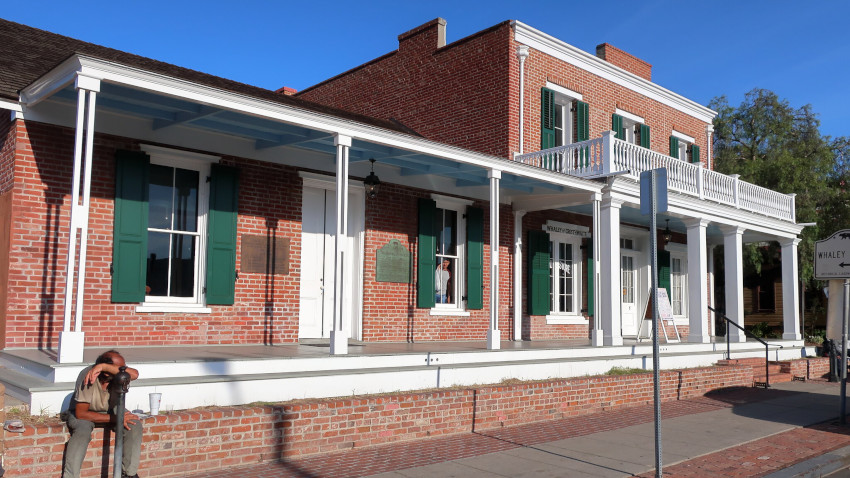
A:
(210, 439)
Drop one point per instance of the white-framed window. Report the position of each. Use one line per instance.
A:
(565, 276)
(678, 280)
(449, 276)
(631, 126)
(684, 145)
(178, 207)
(565, 113)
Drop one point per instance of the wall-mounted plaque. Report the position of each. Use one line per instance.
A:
(393, 263)
(265, 254)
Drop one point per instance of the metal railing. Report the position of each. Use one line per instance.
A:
(608, 155)
(746, 332)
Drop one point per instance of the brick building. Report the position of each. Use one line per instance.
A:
(194, 210)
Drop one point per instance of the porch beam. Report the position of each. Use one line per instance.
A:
(540, 202)
(182, 117)
(733, 262)
(697, 277)
(790, 290)
(339, 339)
(292, 139)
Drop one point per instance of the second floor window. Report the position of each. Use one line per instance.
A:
(683, 147)
(564, 119)
(630, 128)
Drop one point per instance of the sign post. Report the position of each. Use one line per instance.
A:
(653, 199)
(832, 261)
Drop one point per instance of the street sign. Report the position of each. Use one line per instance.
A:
(660, 191)
(832, 256)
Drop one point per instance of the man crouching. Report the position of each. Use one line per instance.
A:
(91, 405)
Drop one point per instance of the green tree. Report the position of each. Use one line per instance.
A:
(777, 146)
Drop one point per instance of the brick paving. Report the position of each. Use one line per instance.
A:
(751, 459)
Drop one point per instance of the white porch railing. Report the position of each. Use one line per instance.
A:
(607, 155)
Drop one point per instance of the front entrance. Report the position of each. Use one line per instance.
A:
(629, 302)
(318, 235)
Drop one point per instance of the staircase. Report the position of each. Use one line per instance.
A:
(779, 371)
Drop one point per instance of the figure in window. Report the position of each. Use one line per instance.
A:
(442, 281)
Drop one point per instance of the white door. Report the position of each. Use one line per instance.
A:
(629, 301)
(318, 234)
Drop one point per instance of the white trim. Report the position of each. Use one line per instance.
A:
(173, 309)
(550, 45)
(676, 247)
(453, 203)
(629, 116)
(12, 106)
(449, 312)
(177, 154)
(115, 73)
(683, 136)
(323, 181)
(564, 91)
(566, 319)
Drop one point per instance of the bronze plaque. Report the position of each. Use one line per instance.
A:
(393, 263)
(265, 254)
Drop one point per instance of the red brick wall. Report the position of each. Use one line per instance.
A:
(458, 94)
(210, 439)
(7, 178)
(389, 309)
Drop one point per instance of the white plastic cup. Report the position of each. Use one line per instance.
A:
(156, 399)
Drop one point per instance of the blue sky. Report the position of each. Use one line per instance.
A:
(800, 50)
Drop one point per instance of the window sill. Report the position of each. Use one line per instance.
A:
(566, 320)
(451, 312)
(174, 308)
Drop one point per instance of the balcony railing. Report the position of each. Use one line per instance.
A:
(606, 155)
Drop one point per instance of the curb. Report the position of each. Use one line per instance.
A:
(816, 467)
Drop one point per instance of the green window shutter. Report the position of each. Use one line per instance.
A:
(582, 121)
(130, 228)
(617, 126)
(644, 136)
(590, 291)
(474, 258)
(664, 270)
(547, 118)
(674, 147)
(695, 154)
(538, 273)
(221, 243)
(426, 254)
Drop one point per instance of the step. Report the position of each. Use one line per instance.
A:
(758, 380)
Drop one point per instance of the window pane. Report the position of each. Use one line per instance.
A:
(186, 200)
(161, 193)
(183, 266)
(446, 228)
(157, 277)
(444, 290)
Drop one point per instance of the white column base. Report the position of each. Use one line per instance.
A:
(698, 339)
(339, 342)
(71, 346)
(736, 335)
(494, 339)
(791, 336)
(596, 338)
(612, 341)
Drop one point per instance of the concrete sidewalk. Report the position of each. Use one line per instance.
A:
(744, 432)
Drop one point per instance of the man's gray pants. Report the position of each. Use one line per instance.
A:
(75, 450)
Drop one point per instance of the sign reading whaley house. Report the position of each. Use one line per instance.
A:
(832, 256)
(554, 227)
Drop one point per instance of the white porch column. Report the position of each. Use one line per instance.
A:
(733, 257)
(790, 293)
(71, 343)
(709, 129)
(518, 215)
(494, 336)
(610, 318)
(339, 339)
(711, 299)
(596, 334)
(697, 287)
(522, 54)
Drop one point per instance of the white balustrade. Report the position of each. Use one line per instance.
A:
(587, 157)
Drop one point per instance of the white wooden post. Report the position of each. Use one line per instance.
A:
(611, 320)
(790, 290)
(733, 257)
(518, 215)
(596, 335)
(697, 276)
(339, 337)
(494, 336)
(608, 152)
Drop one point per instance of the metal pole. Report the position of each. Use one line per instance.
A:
(844, 352)
(653, 247)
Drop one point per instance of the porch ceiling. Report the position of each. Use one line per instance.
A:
(164, 111)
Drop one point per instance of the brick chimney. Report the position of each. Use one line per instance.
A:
(617, 57)
(427, 37)
(286, 91)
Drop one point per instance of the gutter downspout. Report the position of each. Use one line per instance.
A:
(522, 54)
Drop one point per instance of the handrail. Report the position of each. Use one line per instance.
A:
(746, 332)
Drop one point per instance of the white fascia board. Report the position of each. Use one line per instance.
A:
(550, 45)
(11, 106)
(145, 80)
